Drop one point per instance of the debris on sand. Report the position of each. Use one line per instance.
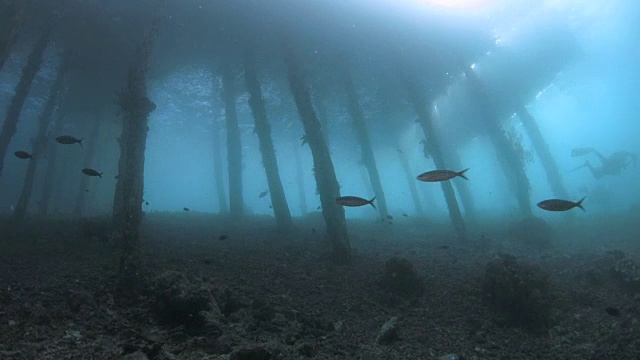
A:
(178, 302)
(449, 357)
(519, 293)
(307, 349)
(401, 279)
(138, 355)
(612, 311)
(626, 272)
(253, 353)
(389, 332)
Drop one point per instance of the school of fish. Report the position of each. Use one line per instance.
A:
(437, 175)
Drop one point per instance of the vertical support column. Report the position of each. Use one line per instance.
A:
(40, 141)
(234, 147)
(302, 195)
(135, 107)
(512, 164)
(324, 171)
(425, 117)
(10, 124)
(218, 168)
(263, 130)
(11, 14)
(541, 147)
(89, 157)
(357, 118)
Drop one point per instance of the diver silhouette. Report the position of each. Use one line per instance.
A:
(612, 165)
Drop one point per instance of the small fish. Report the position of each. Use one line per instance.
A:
(560, 205)
(270, 206)
(223, 237)
(405, 215)
(117, 176)
(441, 175)
(389, 217)
(612, 311)
(92, 172)
(69, 140)
(186, 209)
(23, 155)
(354, 201)
(304, 140)
(146, 203)
(263, 194)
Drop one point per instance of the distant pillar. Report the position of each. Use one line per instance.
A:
(218, 168)
(40, 141)
(234, 147)
(323, 118)
(10, 124)
(466, 197)
(512, 162)
(411, 180)
(302, 195)
(324, 172)
(89, 157)
(263, 130)
(541, 147)
(52, 154)
(425, 117)
(135, 106)
(360, 128)
(13, 13)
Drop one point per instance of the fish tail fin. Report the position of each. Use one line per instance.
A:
(371, 202)
(80, 142)
(579, 203)
(100, 175)
(461, 174)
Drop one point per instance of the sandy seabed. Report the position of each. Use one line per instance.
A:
(281, 297)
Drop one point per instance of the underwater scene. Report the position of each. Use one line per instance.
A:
(319, 179)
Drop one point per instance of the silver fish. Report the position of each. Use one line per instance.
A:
(23, 155)
(560, 205)
(68, 140)
(441, 175)
(92, 172)
(354, 201)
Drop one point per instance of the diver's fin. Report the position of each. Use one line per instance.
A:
(582, 151)
(586, 163)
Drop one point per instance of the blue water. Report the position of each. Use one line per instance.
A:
(571, 63)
